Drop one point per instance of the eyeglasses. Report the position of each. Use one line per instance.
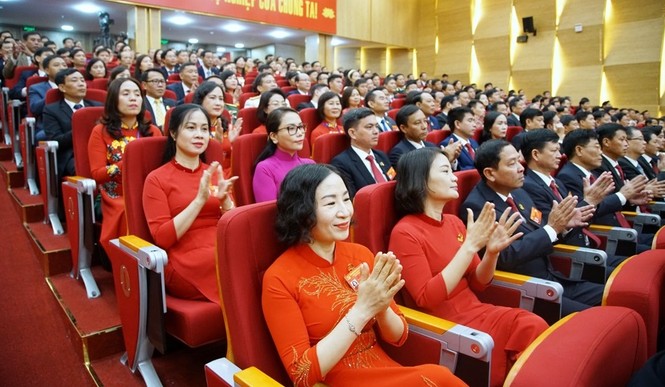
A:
(157, 81)
(292, 130)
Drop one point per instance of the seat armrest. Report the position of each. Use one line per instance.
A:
(583, 262)
(531, 286)
(657, 207)
(620, 241)
(83, 184)
(252, 376)
(148, 256)
(643, 222)
(223, 373)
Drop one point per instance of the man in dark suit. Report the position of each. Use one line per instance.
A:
(19, 90)
(189, 80)
(462, 124)
(651, 159)
(502, 175)
(517, 106)
(303, 84)
(425, 102)
(447, 103)
(37, 92)
(360, 164)
(633, 164)
(378, 102)
(58, 117)
(412, 124)
(208, 68)
(315, 91)
(530, 119)
(152, 81)
(169, 63)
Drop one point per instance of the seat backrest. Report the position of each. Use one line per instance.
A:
(375, 215)
(167, 118)
(392, 113)
(436, 136)
(170, 94)
(96, 95)
(33, 80)
(659, 240)
(310, 117)
(639, 284)
(100, 84)
(397, 103)
(246, 247)
(387, 140)
(11, 82)
(246, 149)
(53, 95)
(600, 346)
(512, 131)
(249, 120)
(297, 99)
(83, 121)
(189, 97)
(244, 97)
(247, 88)
(141, 158)
(328, 146)
(466, 180)
(282, 82)
(174, 77)
(288, 89)
(477, 133)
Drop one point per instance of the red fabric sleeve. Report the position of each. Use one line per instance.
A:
(97, 155)
(158, 212)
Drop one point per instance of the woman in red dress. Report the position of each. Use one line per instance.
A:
(330, 109)
(324, 325)
(439, 255)
(210, 96)
(123, 122)
(183, 200)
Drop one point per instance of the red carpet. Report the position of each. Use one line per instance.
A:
(36, 350)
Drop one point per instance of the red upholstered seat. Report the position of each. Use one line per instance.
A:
(247, 88)
(170, 94)
(244, 97)
(297, 99)
(28, 83)
(283, 82)
(245, 151)
(638, 284)
(372, 202)
(249, 120)
(328, 146)
(53, 95)
(189, 97)
(387, 140)
(83, 120)
(392, 113)
(436, 136)
(100, 84)
(311, 118)
(246, 247)
(466, 180)
(397, 103)
(476, 134)
(659, 240)
(288, 89)
(601, 346)
(193, 322)
(96, 95)
(174, 77)
(512, 131)
(167, 118)
(11, 82)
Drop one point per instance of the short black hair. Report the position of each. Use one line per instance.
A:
(145, 74)
(449, 99)
(412, 176)
(575, 138)
(259, 80)
(536, 140)
(185, 65)
(581, 115)
(62, 75)
(566, 119)
(608, 131)
(353, 117)
(488, 155)
(457, 114)
(404, 113)
(296, 203)
(261, 115)
(529, 114)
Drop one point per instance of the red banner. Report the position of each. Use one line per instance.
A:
(313, 15)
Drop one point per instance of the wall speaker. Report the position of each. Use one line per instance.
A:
(522, 38)
(527, 24)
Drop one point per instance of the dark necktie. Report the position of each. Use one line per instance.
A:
(654, 165)
(77, 106)
(378, 175)
(384, 126)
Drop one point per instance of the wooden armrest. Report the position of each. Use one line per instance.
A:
(252, 376)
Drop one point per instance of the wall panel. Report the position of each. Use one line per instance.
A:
(632, 85)
(532, 81)
(581, 81)
(634, 42)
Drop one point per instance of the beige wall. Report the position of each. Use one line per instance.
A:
(618, 55)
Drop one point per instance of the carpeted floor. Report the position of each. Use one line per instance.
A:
(35, 350)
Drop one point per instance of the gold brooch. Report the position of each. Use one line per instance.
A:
(460, 238)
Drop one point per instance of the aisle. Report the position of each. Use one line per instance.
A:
(35, 348)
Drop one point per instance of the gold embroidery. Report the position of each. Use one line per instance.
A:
(300, 368)
(360, 355)
(428, 382)
(329, 285)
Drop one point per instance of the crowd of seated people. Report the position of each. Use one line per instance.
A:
(529, 197)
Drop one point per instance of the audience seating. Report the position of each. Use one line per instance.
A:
(13, 120)
(249, 120)
(288, 89)
(100, 84)
(512, 131)
(78, 197)
(639, 284)
(601, 346)
(174, 77)
(18, 70)
(283, 83)
(189, 97)
(297, 99)
(246, 149)
(248, 88)
(27, 140)
(310, 117)
(47, 166)
(392, 113)
(247, 246)
(659, 240)
(4, 97)
(375, 218)
(29, 82)
(397, 103)
(328, 146)
(170, 94)
(244, 97)
(476, 134)
(387, 140)
(437, 135)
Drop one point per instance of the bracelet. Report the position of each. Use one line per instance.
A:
(351, 327)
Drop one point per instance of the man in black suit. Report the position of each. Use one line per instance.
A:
(360, 164)
(633, 164)
(378, 102)
(447, 103)
(517, 106)
(58, 117)
(412, 124)
(208, 68)
(302, 84)
(152, 81)
(189, 80)
(502, 175)
(315, 91)
(169, 63)
(651, 159)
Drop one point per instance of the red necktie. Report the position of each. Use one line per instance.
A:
(378, 175)
(618, 168)
(511, 203)
(654, 166)
(469, 149)
(555, 191)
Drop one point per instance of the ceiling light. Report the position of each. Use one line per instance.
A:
(221, 49)
(179, 20)
(234, 27)
(87, 8)
(193, 41)
(279, 34)
(67, 28)
(239, 45)
(335, 41)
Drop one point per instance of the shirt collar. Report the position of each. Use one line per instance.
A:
(581, 168)
(612, 162)
(547, 179)
(71, 104)
(462, 141)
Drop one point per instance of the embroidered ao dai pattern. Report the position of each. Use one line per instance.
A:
(305, 297)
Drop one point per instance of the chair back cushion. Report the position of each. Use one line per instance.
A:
(246, 149)
(249, 119)
(466, 180)
(375, 215)
(297, 99)
(329, 146)
(387, 140)
(83, 121)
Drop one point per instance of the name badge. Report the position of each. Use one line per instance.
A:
(391, 173)
(536, 215)
(353, 278)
